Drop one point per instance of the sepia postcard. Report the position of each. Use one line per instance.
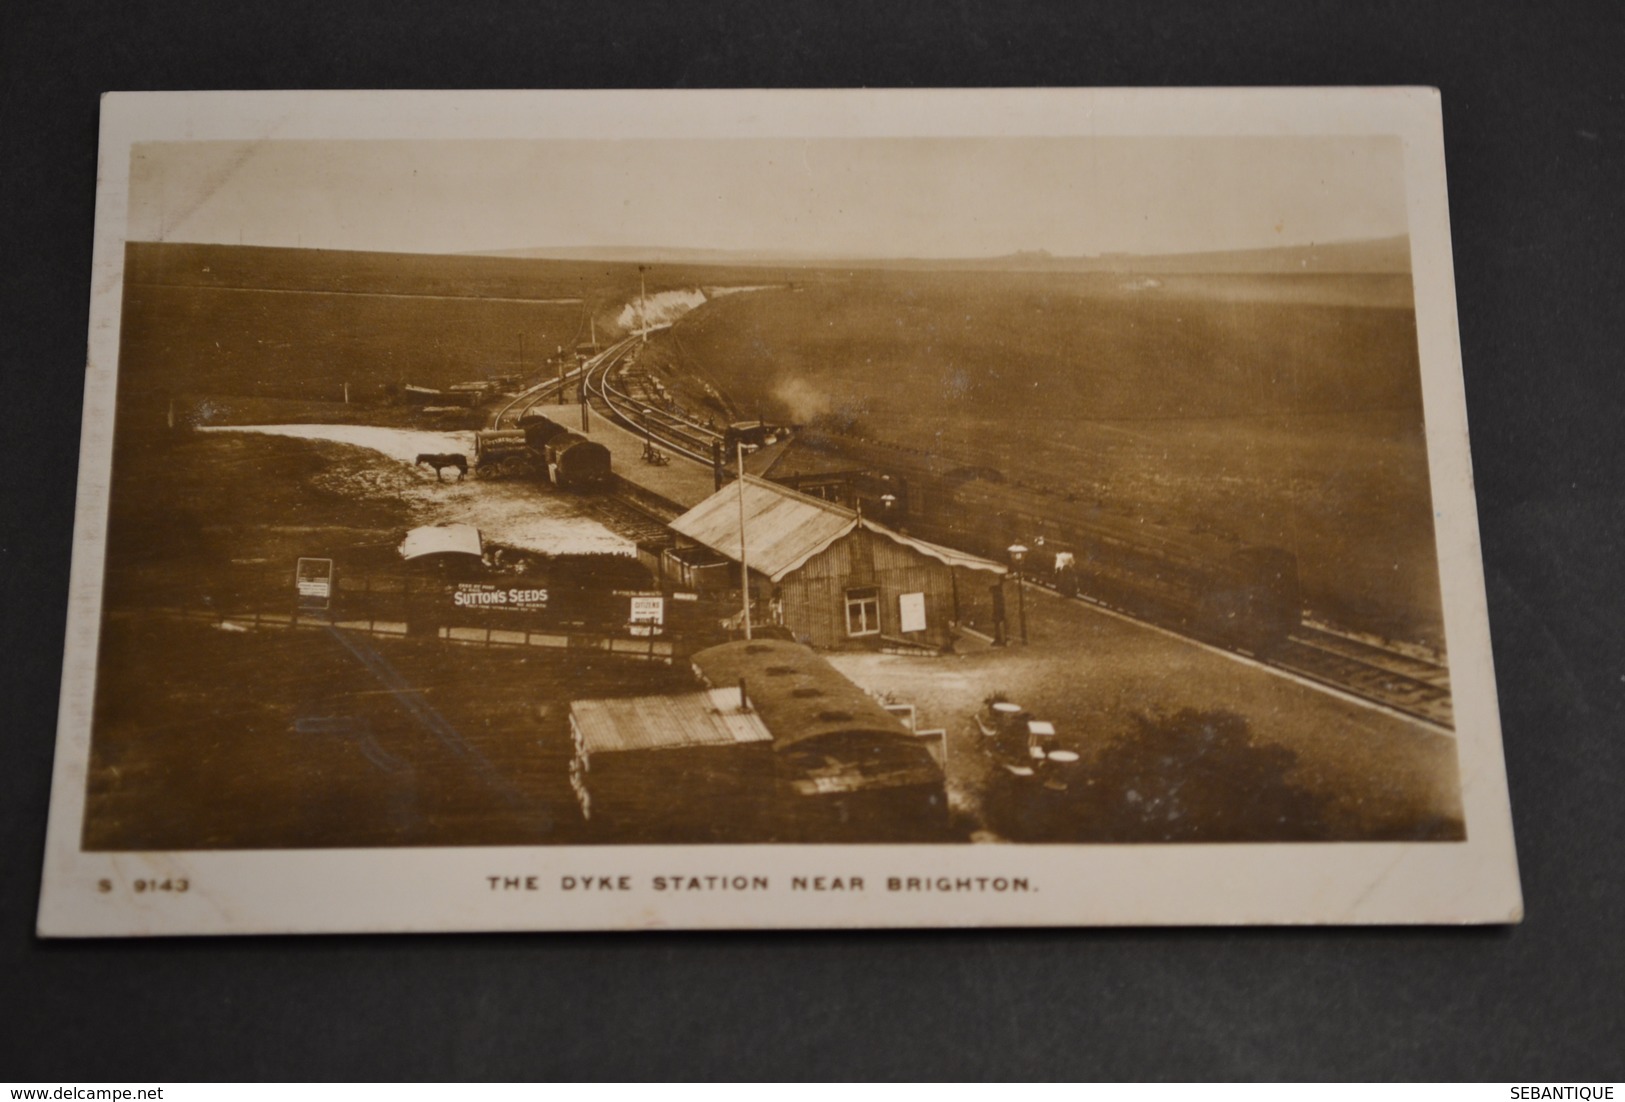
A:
(634, 510)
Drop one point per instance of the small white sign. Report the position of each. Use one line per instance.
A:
(313, 578)
(648, 610)
(911, 609)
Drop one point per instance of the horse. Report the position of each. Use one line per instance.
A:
(440, 461)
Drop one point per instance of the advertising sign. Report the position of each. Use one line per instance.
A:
(648, 610)
(514, 598)
(314, 580)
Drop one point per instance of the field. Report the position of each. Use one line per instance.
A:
(218, 739)
(1281, 410)
(300, 323)
(311, 748)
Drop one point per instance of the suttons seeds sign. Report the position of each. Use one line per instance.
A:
(476, 595)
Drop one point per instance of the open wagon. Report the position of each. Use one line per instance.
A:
(504, 453)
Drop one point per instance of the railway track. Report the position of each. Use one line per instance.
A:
(1400, 681)
(672, 431)
(525, 400)
(628, 519)
(675, 433)
(1394, 680)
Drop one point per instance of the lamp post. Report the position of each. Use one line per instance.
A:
(1018, 554)
(744, 562)
(643, 304)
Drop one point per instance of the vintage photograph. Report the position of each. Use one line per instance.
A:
(958, 492)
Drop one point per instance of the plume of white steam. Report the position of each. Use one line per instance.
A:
(664, 307)
(801, 401)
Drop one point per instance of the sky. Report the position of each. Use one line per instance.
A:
(947, 197)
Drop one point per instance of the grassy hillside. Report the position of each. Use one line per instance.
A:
(1268, 409)
(453, 275)
(1019, 349)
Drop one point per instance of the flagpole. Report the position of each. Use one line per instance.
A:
(744, 566)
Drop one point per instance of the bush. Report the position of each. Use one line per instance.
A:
(1189, 776)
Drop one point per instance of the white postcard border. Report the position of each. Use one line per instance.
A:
(312, 891)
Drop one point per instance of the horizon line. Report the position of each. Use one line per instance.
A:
(786, 254)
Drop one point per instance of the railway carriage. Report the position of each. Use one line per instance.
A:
(848, 770)
(1239, 596)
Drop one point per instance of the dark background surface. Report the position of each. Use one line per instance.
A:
(1534, 126)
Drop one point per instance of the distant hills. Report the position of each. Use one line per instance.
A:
(495, 271)
(1388, 255)
(638, 254)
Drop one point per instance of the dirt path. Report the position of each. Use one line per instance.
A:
(1092, 674)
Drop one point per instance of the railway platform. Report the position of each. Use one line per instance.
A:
(681, 481)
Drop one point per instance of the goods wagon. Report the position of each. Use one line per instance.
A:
(576, 463)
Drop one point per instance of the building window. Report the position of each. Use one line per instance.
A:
(863, 611)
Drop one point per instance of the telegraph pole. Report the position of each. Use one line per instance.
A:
(744, 566)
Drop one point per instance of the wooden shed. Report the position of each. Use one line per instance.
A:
(778, 745)
(690, 767)
(833, 577)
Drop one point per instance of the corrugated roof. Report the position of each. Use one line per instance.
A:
(783, 528)
(942, 554)
(461, 539)
(797, 693)
(761, 461)
(709, 718)
(798, 457)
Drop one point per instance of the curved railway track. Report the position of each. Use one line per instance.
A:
(526, 399)
(677, 434)
(672, 431)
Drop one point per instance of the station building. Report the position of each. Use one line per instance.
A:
(824, 572)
